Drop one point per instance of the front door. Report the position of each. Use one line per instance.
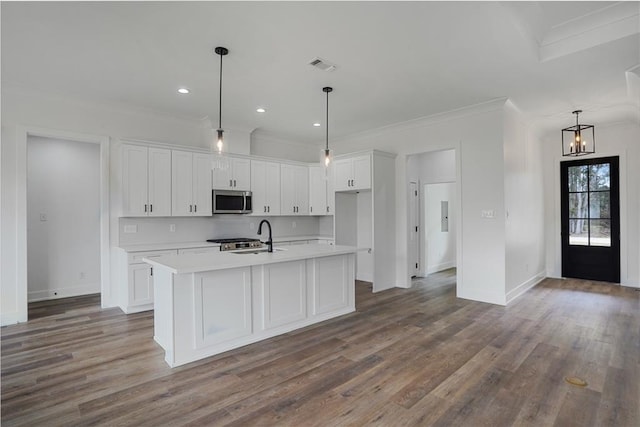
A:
(590, 219)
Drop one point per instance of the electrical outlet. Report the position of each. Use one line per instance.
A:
(130, 229)
(43, 217)
(293, 224)
(172, 228)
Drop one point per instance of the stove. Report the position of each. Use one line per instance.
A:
(237, 243)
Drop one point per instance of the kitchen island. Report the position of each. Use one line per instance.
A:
(209, 303)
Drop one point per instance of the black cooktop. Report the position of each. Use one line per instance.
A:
(236, 240)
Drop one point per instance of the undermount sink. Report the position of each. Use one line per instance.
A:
(258, 251)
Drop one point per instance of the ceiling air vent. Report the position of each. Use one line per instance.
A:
(321, 64)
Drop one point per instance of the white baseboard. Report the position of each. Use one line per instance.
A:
(72, 291)
(440, 267)
(525, 286)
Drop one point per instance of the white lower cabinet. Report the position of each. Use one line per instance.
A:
(140, 285)
(136, 280)
(284, 293)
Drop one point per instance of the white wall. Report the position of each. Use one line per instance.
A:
(24, 109)
(524, 204)
(63, 184)
(620, 139)
(476, 133)
(271, 146)
(439, 246)
(432, 167)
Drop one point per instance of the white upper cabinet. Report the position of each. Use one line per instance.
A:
(294, 190)
(353, 173)
(146, 181)
(191, 182)
(319, 191)
(202, 184)
(265, 188)
(236, 177)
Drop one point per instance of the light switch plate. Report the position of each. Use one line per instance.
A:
(488, 213)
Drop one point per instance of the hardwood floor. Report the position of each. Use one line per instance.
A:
(406, 357)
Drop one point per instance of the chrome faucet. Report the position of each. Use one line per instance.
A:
(270, 241)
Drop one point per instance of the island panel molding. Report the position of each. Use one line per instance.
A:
(202, 311)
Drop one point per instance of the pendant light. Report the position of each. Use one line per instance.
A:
(578, 140)
(219, 161)
(327, 155)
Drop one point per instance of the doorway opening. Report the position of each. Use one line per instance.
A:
(432, 203)
(590, 211)
(63, 218)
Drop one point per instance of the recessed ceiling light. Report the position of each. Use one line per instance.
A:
(317, 125)
(261, 110)
(183, 90)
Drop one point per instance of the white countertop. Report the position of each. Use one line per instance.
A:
(168, 246)
(196, 263)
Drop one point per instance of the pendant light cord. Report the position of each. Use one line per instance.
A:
(220, 98)
(327, 138)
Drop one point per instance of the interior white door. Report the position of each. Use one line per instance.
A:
(414, 246)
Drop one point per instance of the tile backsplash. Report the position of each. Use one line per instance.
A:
(158, 230)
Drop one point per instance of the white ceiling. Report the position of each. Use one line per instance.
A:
(396, 61)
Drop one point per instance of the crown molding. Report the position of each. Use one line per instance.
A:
(421, 122)
(619, 20)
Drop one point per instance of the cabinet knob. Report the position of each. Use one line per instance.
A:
(145, 208)
(230, 183)
(268, 208)
(195, 208)
(234, 183)
(190, 208)
(151, 207)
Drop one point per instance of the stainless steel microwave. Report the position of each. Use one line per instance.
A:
(231, 202)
